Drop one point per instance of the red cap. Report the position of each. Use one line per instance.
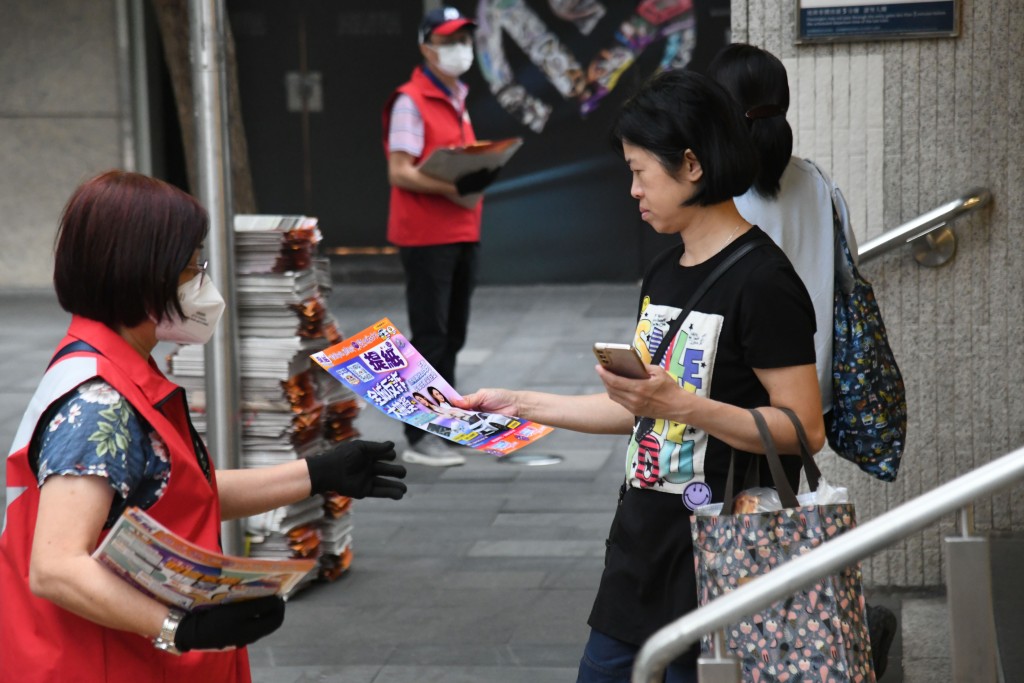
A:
(443, 21)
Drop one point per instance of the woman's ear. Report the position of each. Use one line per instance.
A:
(691, 169)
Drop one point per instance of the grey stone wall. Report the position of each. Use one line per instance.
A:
(950, 119)
(59, 122)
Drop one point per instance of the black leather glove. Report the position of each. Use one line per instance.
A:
(355, 469)
(476, 181)
(235, 624)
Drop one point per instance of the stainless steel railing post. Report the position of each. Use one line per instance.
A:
(972, 629)
(720, 667)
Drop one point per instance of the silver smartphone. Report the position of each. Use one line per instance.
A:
(620, 359)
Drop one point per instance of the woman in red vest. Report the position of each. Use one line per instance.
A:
(106, 430)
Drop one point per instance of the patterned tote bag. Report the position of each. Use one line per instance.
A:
(869, 402)
(816, 634)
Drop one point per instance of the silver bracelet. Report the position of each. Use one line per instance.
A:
(165, 641)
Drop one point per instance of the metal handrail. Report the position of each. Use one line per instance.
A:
(924, 224)
(674, 639)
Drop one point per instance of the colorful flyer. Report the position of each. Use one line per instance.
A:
(382, 366)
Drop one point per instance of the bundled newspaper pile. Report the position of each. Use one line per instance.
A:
(336, 536)
(177, 572)
(293, 531)
(288, 412)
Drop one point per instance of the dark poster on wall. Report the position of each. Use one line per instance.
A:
(314, 75)
(554, 72)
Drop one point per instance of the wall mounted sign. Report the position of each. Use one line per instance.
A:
(848, 20)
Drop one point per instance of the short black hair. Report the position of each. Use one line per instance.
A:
(757, 82)
(123, 241)
(677, 110)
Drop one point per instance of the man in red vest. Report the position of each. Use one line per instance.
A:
(438, 239)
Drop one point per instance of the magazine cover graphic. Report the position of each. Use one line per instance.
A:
(386, 370)
(178, 573)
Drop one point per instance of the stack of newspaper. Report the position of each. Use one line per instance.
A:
(288, 412)
(293, 531)
(274, 244)
(336, 536)
(178, 573)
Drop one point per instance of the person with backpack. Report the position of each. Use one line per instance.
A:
(794, 202)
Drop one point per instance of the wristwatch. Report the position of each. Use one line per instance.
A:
(165, 641)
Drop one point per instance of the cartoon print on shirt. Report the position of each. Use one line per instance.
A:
(665, 454)
(650, 331)
(653, 454)
(648, 469)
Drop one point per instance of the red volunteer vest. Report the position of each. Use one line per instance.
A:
(40, 641)
(416, 219)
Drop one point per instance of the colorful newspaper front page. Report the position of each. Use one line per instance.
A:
(382, 366)
(178, 573)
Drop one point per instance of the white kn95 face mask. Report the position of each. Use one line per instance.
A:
(202, 305)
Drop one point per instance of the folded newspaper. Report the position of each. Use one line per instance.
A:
(181, 574)
(381, 365)
(450, 163)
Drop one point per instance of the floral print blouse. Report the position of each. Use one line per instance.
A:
(95, 431)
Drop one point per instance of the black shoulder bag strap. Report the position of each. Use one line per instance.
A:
(699, 294)
(644, 424)
(72, 347)
(48, 414)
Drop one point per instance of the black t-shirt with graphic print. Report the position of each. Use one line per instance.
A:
(757, 315)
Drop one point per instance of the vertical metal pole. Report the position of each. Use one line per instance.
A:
(206, 31)
(972, 626)
(140, 87)
(125, 90)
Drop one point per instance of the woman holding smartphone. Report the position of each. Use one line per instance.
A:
(752, 333)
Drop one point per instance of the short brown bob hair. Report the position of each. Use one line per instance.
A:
(123, 241)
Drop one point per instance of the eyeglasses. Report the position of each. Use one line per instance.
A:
(200, 270)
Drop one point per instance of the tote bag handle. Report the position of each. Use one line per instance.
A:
(786, 494)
